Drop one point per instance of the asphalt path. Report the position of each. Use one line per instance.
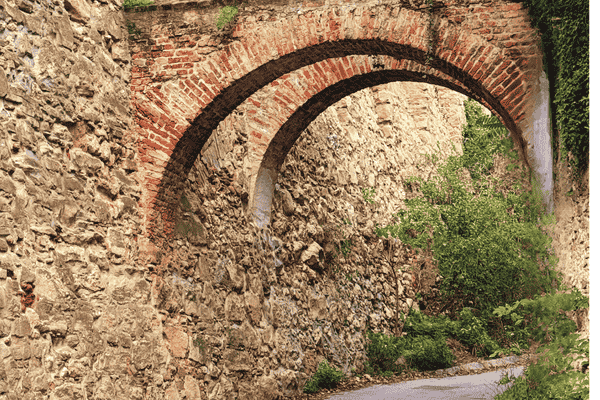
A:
(467, 387)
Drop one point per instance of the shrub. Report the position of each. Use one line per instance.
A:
(422, 352)
(326, 377)
(483, 136)
(553, 376)
(486, 255)
(428, 354)
(542, 318)
(382, 353)
(419, 324)
(472, 333)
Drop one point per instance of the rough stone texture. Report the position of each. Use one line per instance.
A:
(70, 283)
(86, 311)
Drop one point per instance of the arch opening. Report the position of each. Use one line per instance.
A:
(439, 72)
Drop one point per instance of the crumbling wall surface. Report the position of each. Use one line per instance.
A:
(265, 307)
(73, 308)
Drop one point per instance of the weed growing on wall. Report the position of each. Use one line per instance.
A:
(132, 29)
(368, 194)
(226, 15)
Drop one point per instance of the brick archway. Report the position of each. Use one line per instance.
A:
(177, 117)
(273, 139)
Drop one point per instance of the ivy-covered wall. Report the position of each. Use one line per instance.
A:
(564, 28)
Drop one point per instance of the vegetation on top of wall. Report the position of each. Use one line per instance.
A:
(226, 15)
(137, 3)
(564, 28)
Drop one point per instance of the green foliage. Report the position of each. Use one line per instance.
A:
(382, 352)
(137, 3)
(483, 136)
(346, 247)
(424, 353)
(542, 318)
(427, 354)
(226, 15)
(564, 27)
(419, 324)
(132, 29)
(326, 377)
(472, 332)
(553, 376)
(368, 194)
(487, 256)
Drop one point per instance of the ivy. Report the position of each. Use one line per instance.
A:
(564, 28)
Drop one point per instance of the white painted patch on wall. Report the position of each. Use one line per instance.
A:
(542, 151)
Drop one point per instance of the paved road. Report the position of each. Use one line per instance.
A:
(467, 387)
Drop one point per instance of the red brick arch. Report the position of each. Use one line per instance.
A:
(272, 137)
(181, 94)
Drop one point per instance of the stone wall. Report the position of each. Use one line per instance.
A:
(229, 310)
(309, 288)
(68, 202)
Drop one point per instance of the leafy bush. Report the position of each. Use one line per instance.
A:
(428, 354)
(419, 324)
(542, 318)
(424, 353)
(326, 377)
(472, 333)
(382, 353)
(483, 136)
(553, 376)
(486, 255)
